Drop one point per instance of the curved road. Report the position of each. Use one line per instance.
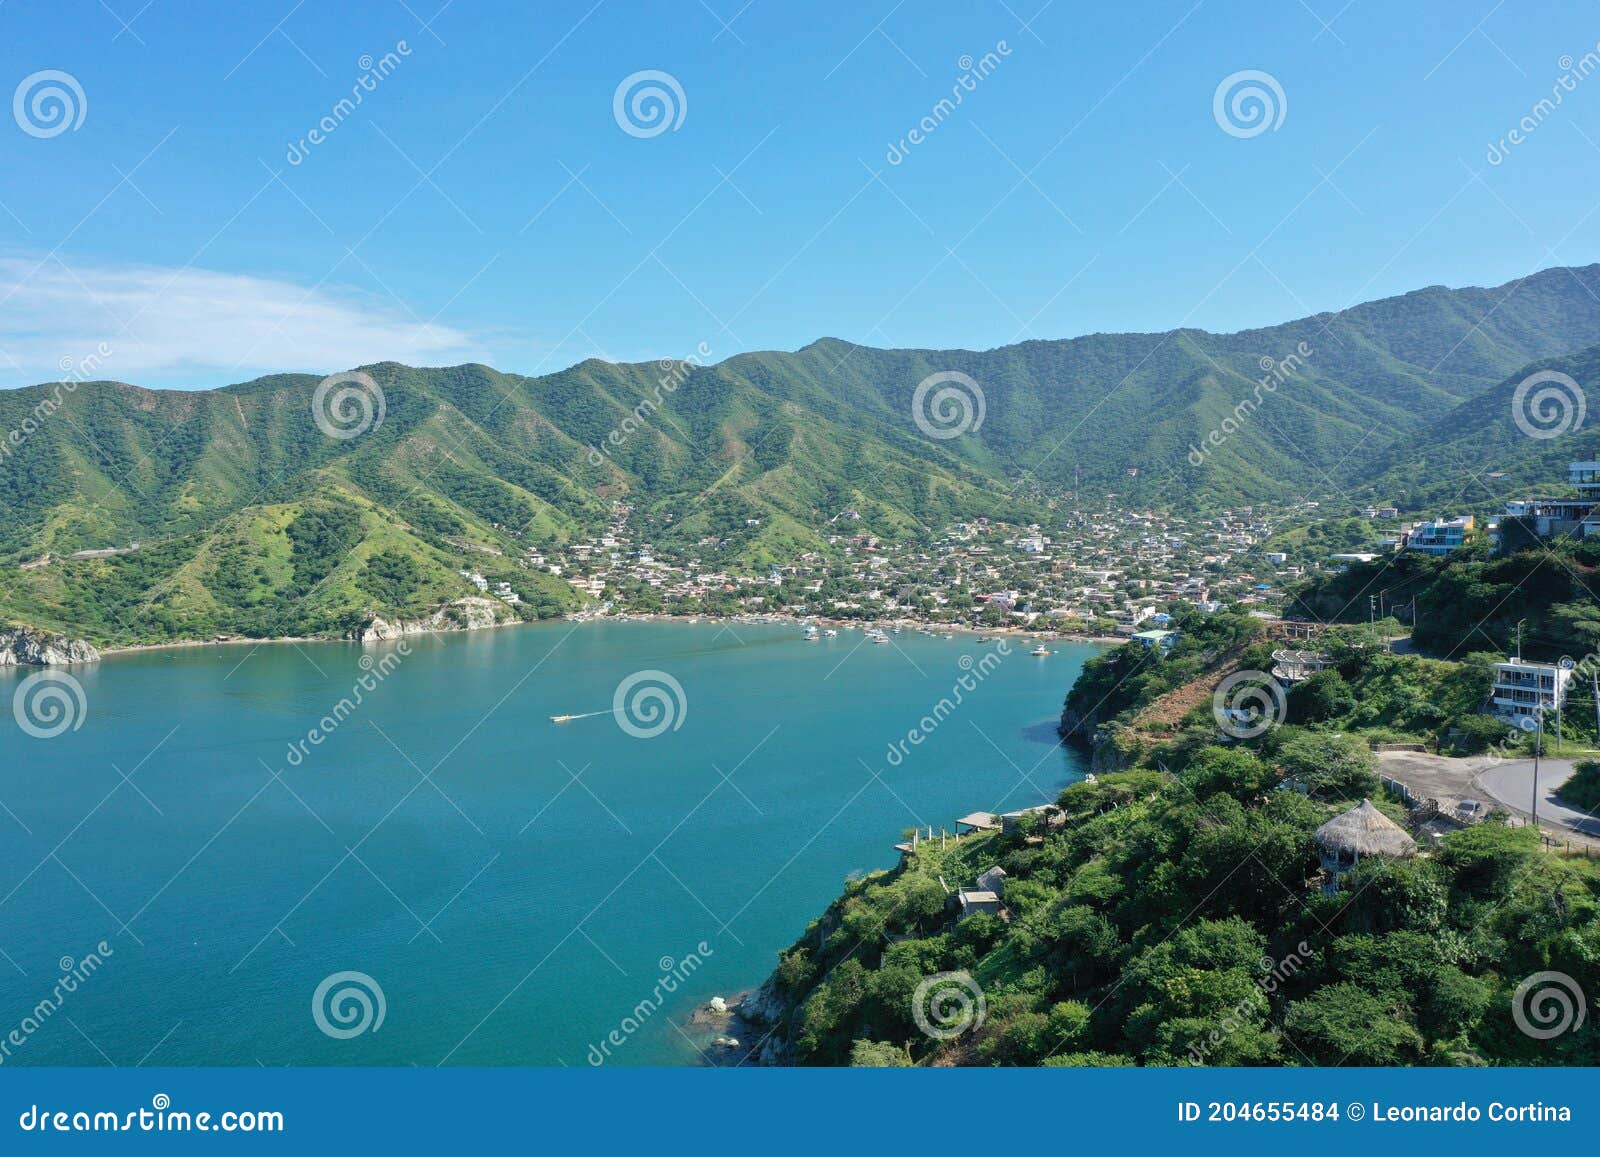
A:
(1512, 785)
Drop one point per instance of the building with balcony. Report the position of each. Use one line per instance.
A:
(1440, 536)
(1579, 517)
(1584, 477)
(1523, 689)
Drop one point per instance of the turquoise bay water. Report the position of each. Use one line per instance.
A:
(515, 887)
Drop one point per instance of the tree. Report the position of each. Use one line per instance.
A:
(1485, 859)
(1330, 766)
(391, 578)
(1324, 696)
(1345, 1024)
(1233, 770)
(867, 1054)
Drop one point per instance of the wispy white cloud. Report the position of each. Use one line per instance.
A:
(190, 327)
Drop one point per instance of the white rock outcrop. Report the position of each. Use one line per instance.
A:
(26, 647)
(467, 614)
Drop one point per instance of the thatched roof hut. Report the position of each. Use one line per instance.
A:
(1361, 831)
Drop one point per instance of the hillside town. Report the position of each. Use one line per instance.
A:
(1104, 572)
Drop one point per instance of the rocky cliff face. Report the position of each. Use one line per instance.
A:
(1079, 727)
(765, 1009)
(468, 614)
(26, 647)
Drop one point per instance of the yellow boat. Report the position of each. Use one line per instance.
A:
(562, 718)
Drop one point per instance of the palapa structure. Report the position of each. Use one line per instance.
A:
(1362, 831)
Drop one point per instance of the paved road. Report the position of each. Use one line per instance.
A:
(1512, 785)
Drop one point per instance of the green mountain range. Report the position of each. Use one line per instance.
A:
(251, 519)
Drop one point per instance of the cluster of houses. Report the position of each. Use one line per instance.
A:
(1110, 571)
(1578, 517)
(502, 590)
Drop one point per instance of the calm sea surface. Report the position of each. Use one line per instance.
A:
(514, 887)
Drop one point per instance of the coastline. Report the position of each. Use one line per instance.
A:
(766, 619)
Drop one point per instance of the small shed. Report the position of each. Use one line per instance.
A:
(975, 901)
(1362, 831)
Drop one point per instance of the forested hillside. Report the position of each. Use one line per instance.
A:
(762, 452)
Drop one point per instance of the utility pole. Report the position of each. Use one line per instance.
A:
(1594, 682)
(1556, 691)
(1538, 747)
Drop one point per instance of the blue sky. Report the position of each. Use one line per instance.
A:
(483, 203)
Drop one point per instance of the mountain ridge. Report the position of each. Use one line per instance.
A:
(758, 454)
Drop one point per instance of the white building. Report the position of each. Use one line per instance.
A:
(1523, 689)
(1575, 516)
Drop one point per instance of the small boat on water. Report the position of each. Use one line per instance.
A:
(561, 718)
(812, 634)
(831, 633)
(1039, 650)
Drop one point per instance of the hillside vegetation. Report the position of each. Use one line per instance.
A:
(761, 454)
(1172, 921)
(1171, 913)
(1474, 600)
